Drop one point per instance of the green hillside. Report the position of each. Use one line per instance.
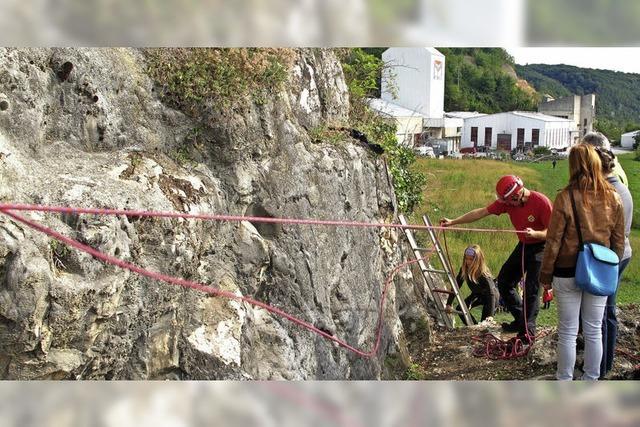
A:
(618, 94)
(482, 79)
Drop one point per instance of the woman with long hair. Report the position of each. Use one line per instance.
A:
(476, 273)
(602, 221)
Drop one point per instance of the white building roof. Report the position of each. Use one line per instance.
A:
(463, 114)
(540, 116)
(391, 109)
(633, 132)
(530, 115)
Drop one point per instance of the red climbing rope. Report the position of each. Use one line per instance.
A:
(495, 348)
(6, 208)
(215, 291)
(630, 357)
(212, 217)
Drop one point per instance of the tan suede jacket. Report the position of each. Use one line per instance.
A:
(599, 224)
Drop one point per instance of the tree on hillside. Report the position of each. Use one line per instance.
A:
(476, 79)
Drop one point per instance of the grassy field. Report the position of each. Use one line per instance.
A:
(458, 186)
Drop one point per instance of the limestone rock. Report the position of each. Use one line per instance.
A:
(86, 128)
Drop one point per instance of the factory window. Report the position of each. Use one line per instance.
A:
(474, 136)
(535, 137)
(487, 136)
(520, 138)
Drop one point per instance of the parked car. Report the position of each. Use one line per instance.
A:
(440, 146)
(468, 150)
(425, 151)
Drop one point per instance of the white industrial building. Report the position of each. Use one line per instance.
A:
(413, 86)
(412, 93)
(580, 109)
(518, 129)
(627, 139)
(413, 78)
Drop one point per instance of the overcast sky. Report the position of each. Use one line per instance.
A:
(625, 59)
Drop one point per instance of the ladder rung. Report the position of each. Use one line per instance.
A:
(430, 270)
(422, 249)
(442, 291)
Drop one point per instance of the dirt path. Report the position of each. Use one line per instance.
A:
(450, 355)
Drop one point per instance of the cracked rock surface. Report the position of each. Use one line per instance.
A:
(85, 127)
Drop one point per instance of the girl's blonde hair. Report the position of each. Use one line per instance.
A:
(478, 266)
(586, 175)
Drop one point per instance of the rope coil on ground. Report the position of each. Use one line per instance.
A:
(495, 348)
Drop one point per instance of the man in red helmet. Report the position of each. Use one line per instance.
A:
(528, 211)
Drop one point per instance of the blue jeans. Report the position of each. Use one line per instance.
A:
(610, 326)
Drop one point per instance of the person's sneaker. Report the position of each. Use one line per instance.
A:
(510, 327)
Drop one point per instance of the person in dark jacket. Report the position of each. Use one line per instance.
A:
(475, 272)
(610, 320)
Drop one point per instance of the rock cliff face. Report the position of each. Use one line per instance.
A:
(85, 127)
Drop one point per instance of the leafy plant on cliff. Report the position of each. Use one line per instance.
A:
(361, 71)
(59, 252)
(407, 182)
(197, 77)
(415, 372)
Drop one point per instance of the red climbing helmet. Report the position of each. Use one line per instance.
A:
(508, 186)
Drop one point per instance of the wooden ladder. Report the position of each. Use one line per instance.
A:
(434, 293)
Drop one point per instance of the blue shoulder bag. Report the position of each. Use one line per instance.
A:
(597, 266)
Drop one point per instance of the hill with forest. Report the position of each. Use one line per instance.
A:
(617, 93)
(484, 80)
(480, 79)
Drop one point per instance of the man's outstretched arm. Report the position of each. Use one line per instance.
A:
(470, 216)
